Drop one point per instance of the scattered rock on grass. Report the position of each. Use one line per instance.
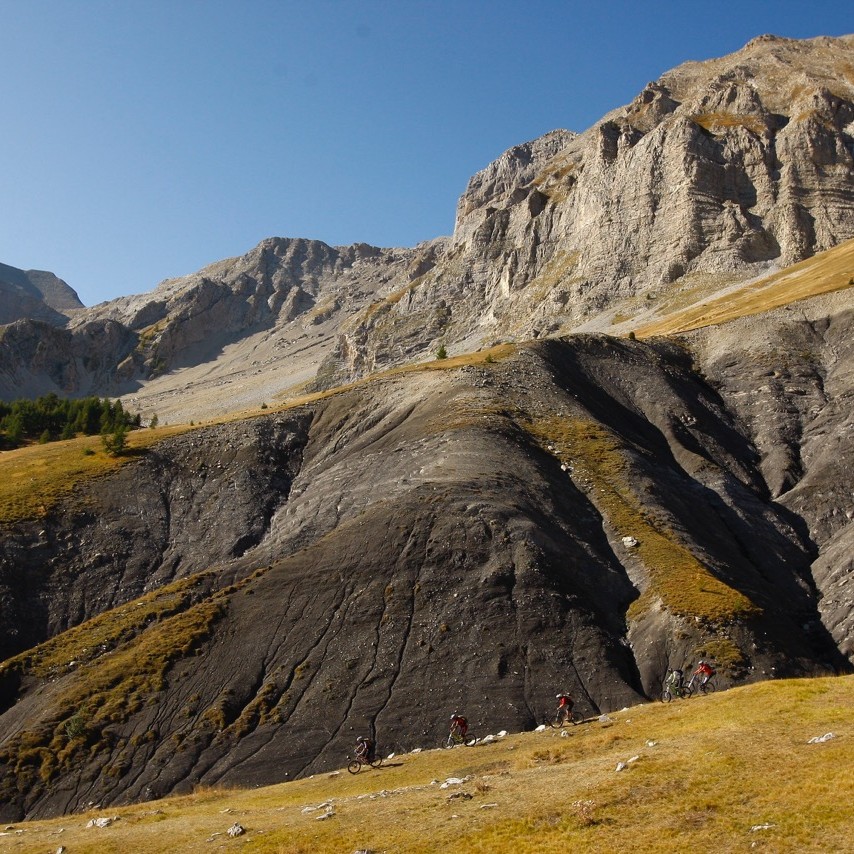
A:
(102, 822)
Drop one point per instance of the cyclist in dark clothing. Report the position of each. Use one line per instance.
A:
(365, 749)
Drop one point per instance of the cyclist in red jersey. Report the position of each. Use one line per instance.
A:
(460, 723)
(704, 670)
(564, 706)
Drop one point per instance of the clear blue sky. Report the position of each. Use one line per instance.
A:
(144, 139)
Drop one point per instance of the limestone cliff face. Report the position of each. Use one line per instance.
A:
(717, 171)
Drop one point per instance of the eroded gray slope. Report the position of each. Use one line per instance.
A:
(788, 377)
(397, 551)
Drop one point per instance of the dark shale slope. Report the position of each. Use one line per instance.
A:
(454, 537)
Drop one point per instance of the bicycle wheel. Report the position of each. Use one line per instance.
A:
(666, 696)
(450, 742)
(707, 688)
(354, 767)
(575, 717)
(376, 762)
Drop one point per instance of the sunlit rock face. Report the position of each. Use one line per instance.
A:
(716, 172)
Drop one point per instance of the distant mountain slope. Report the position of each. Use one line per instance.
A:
(258, 323)
(718, 172)
(35, 294)
(827, 272)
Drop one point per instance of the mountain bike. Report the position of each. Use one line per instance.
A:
(702, 685)
(354, 766)
(682, 692)
(456, 737)
(565, 717)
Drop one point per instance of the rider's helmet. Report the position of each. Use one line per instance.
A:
(702, 661)
(360, 738)
(453, 715)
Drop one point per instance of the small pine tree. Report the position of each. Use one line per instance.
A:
(441, 353)
(115, 442)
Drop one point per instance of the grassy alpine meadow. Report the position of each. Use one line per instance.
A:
(35, 477)
(734, 771)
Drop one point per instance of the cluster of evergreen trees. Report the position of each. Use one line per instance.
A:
(50, 418)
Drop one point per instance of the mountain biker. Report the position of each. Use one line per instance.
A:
(675, 679)
(460, 723)
(365, 749)
(705, 671)
(564, 706)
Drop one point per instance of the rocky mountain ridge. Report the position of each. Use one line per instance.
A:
(35, 294)
(719, 171)
(280, 304)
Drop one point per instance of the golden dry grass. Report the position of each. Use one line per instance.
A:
(111, 666)
(708, 771)
(34, 478)
(716, 122)
(85, 642)
(824, 273)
